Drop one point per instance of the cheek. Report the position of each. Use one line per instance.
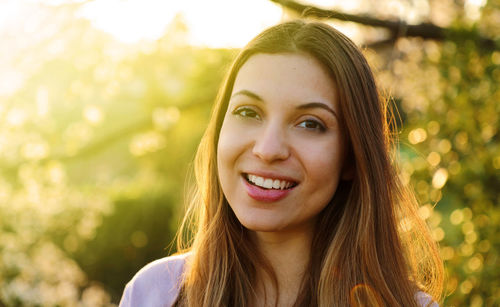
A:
(223, 166)
(323, 160)
(228, 149)
(323, 173)
(224, 146)
(233, 140)
(221, 154)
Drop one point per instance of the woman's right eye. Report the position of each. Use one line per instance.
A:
(246, 112)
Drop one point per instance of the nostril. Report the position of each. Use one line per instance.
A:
(270, 143)
(271, 151)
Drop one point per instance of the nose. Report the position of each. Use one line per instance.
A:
(271, 143)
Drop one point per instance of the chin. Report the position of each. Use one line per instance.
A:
(261, 224)
(262, 228)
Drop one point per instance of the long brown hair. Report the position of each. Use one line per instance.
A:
(360, 253)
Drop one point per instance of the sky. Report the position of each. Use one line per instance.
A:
(212, 23)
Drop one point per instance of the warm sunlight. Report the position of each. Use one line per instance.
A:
(217, 23)
(220, 23)
(103, 104)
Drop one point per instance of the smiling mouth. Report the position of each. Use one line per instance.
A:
(269, 183)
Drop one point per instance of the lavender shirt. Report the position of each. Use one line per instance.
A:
(158, 284)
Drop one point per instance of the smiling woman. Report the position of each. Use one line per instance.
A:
(283, 129)
(297, 203)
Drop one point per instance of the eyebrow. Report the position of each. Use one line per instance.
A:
(310, 105)
(249, 94)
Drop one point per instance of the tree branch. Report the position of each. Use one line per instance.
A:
(397, 28)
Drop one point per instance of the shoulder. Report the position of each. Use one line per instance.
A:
(156, 284)
(425, 300)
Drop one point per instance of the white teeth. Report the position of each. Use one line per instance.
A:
(282, 185)
(269, 183)
(276, 184)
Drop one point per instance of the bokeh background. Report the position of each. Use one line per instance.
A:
(102, 105)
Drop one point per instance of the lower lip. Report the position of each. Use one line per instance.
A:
(265, 195)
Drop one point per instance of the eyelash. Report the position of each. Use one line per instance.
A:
(240, 111)
(243, 112)
(318, 126)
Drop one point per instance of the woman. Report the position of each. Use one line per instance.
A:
(297, 201)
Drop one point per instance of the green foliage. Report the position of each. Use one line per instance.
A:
(450, 153)
(96, 143)
(95, 147)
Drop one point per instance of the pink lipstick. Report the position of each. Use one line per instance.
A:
(265, 195)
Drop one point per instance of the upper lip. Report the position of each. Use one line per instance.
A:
(272, 175)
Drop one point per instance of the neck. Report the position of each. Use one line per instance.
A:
(288, 254)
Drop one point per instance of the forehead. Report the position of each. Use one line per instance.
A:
(297, 77)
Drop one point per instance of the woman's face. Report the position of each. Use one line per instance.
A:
(280, 151)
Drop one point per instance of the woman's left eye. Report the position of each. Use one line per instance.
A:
(312, 125)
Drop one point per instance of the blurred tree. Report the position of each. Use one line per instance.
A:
(95, 146)
(446, 80)
(396, 27)
(96, 139)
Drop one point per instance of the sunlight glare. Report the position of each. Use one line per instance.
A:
(229, 23)
(209, 22)
(131, 21)
(473, 8)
